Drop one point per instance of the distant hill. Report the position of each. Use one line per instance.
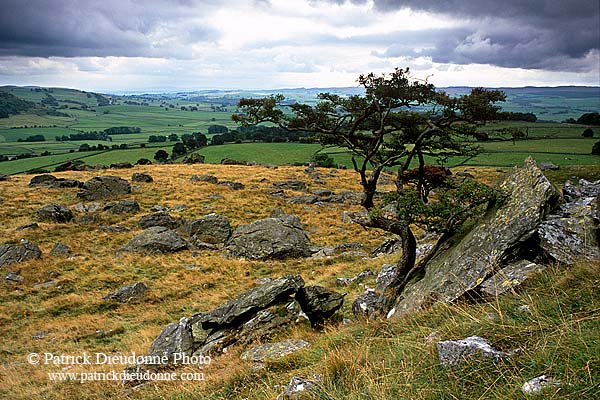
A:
(11, 105)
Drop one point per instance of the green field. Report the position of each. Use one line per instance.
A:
(559, 143)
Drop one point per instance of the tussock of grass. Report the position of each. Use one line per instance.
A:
(379, 360)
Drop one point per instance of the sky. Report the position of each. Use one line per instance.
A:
(185, 45)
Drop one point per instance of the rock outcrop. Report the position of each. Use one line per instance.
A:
(529, 198)
(101, 187)
(128, 293)
(54, 213)
(270, 238)
(16, 253)
(161, 218)
(212, 228)
(156, 239)
(454, 352)
(256, 314)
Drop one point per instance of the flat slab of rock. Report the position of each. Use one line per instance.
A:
(212, 228)
(540, 384)
(128, 293)
(156, 239)
(160, 218)
(509, 277)
(454, 352)
(54, 213)
(274, 351)
(123, 207)
(101, 187)
(16, 253)
(472, 259)
(270, 238)
(243, 307)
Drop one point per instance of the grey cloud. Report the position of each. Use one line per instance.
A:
(537, 34)
(71, 28)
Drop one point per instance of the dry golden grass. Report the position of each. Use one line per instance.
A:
(77, 320)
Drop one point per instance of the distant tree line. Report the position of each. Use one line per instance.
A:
(517, 116)
(85, 136)
(122, 130)
(33, 138)
(592, 118)
(257, 133)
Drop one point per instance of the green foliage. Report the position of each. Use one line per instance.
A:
(33, 138)
(122, 130)
(179, 149)
(10, 104)
(322, 160)
(589, 119)
(596, 149)
(588, 133)
(161, 156)
(452, 205)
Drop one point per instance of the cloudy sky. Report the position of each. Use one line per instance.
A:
(153, 45)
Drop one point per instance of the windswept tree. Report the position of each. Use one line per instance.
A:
(399, 122)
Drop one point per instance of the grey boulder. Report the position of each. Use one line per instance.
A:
(101, 187)
(156, 239)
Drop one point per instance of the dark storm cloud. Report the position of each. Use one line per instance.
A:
(534, 34)
(73, 28)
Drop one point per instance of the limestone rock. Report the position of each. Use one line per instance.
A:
(161, 218)
(60, 250)
(101, 187)
(204, 178)
(291, 185)
(454, 352)
(54, 213)
(176, 338)
(304, 199)
(123, 207)
(274, 351)
(13, 277)
(212, 228)
(509, 277)
(540, 384)
(270, 238)
(573, 234)
(53, 182)
(473, 258)
(16, 253)
(355, 278)
(128, 293)
(156, 239)
(88, 207)
(366, 305)
(255, 299)
(232, 185)
(385, 275)
(297, 385)
(141, 177)
(319, 303)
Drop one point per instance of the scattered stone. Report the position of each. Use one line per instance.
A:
(87, 219)
(159, 209)
(54, 213)
(274, 351)
(16, 253)
(305, 199)
(545, 166)
(524, 308)
(32, 225)
(204, 178)
(324, 252)
(176, 338)
(179, 207)
(199, 245)
(509, 277)
(114, 229)
(160, 218)
(44, 285)
(384, 277)
(74, 165)
(366, 305)
(356, 278)
(232, 185)
(157, 239)
(128, 293)
(141, 177)
(88, 207)
(60, 250)
(230, 161)
(589, 189)
(212, 228)
(53, 182)
(291, 185)
(123, 207)
(540, 384)
(454, 352)
(13, 277)
(42, 180)
(322, 192)
(4, 177)
(39, 335)
(249, 303)
(270, 238)
(101, 187)
(319, 303)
